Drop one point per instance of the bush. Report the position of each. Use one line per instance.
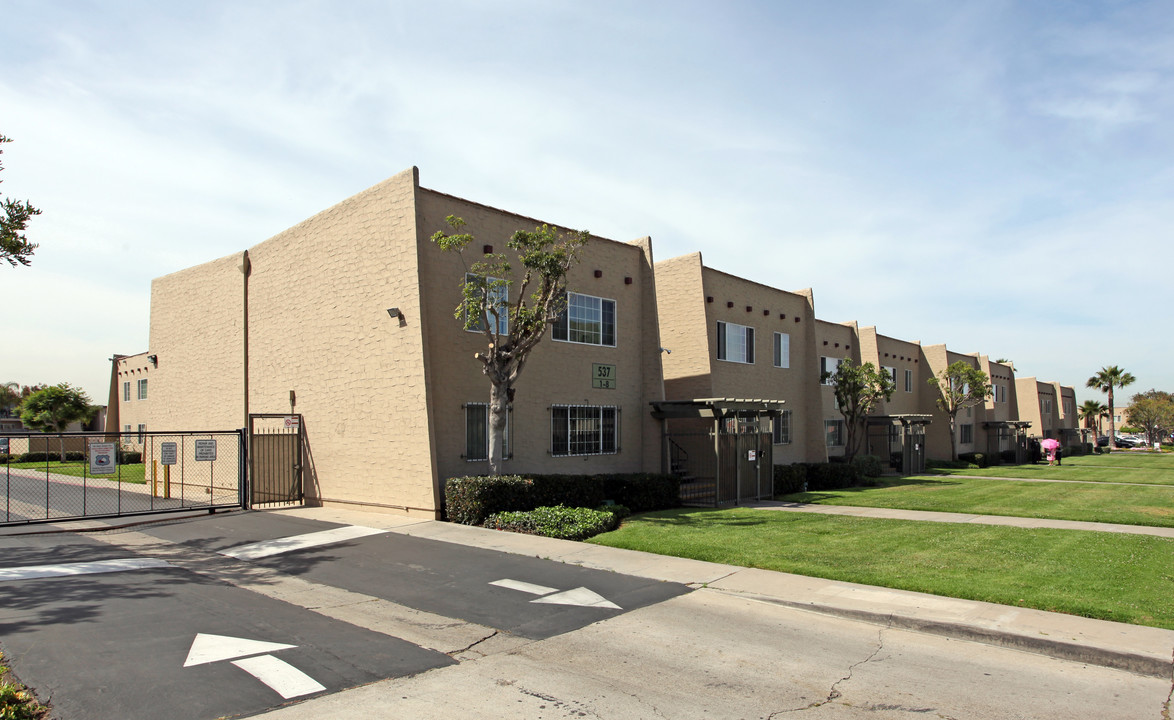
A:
(558, 522)
(130, 457)
(75, 457)
(975, 458)
(869, 466)
(5, 458)
(831, 476)
(1007, 457)
(949, 464)
(470, 500)
(36, 457)
(790, 479)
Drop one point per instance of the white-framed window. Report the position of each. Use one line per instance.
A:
(126, 429)
(782, 350)
(828, 365)
(891, 372)
(735, 343)
(781, 432)
(126, 391)
(589, 320)
(966, 433)
(142, 432)
(143, 389)
(834, 430)
(477, 432)
(584, 430)
(1047, 406)
(499, 297)
(908, 381)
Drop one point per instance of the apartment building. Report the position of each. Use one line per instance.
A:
(347, 319)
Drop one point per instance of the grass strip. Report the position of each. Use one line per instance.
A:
(132, 473)
(1124, 504)
(1133, 466)
(1125, 578)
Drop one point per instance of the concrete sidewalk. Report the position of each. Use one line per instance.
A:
(950, 517)
(1142, 650)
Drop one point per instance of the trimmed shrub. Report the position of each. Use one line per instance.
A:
(831, 476)
(5, 458)
(470, 500)
(561, 522)
(75, 457)
(975, 458)
(1007, 457)
(130, 457)
(949, 464)
(790, 479)
(869, 466)
(37, 457)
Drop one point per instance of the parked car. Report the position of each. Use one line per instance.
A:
(1128, 442)
(1103, 441)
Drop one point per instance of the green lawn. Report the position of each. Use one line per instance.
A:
(1125, 578)
(1122, 467)
(126, 473)
(1094, 502)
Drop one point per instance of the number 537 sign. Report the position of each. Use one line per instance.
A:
(603, 376)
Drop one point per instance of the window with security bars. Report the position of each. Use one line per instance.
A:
(584, 430)
(781, 434)
(588, 320)
(966, 434)
(477, 432)
(834, 430)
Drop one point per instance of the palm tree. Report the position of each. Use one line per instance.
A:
(1091, 411)
(1105, 380)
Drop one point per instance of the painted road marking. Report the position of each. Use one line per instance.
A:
(284, 679)
(83, 568)
(208, 648)
(254, 551)
(580, 596)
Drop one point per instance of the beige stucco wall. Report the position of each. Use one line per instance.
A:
(883, 351)
(557, 372)
(839, 341)
(125, 415)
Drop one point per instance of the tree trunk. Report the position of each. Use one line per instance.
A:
(1112, 424)
(953, 439)
(499, 409)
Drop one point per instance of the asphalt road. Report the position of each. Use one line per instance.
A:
(148, 638)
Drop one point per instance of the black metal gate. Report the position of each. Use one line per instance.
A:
(55, 477)
(275, 459)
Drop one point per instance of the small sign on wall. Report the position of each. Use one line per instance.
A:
(603, 376)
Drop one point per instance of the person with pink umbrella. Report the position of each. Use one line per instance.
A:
(1052, 446)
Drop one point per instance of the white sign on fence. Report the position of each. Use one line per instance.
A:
(103, 459)
(292, 422)
(168, 453)
(205, 450)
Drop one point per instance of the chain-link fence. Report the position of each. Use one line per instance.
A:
(47, 477)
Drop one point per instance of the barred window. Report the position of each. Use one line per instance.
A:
(477, 432)
(966, 433)
(782, 429)
(834, 429)
(584, 430)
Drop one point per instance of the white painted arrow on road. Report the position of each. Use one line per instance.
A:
(580, 596)
(285, 679)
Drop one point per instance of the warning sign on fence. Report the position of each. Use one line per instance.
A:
(168, 453)
(205, 450)
(103, 460)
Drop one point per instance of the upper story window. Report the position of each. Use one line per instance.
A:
(1000, 393)
(828, 365)
(587, 319)
(143, 389)
(735, 343)
(891, 372)
(126, 391)
(908, 381)
(782, 350)
(499, 298)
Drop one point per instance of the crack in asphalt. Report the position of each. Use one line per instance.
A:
(834, 693)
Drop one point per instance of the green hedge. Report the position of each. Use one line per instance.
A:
(470, 500)
(831, 476)
(561, 522)
(790, 479)
(869, 466)
(975, 458)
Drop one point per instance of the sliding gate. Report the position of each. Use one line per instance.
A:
(54, 477)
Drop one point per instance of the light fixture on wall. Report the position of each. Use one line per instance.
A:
(154, 360)
(395, 313)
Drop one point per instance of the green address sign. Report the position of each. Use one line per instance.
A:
(603, 376)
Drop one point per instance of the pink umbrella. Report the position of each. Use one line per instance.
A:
(1049, 444)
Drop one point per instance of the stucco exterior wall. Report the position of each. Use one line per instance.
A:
(557, 372)
(682, 321)
(126, 411)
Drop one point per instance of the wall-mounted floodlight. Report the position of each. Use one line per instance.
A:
(395, 313)
(153, 359)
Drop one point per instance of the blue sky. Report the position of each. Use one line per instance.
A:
(996, 176)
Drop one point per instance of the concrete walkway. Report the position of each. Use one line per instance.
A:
(950, 517)
(1143, 650)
